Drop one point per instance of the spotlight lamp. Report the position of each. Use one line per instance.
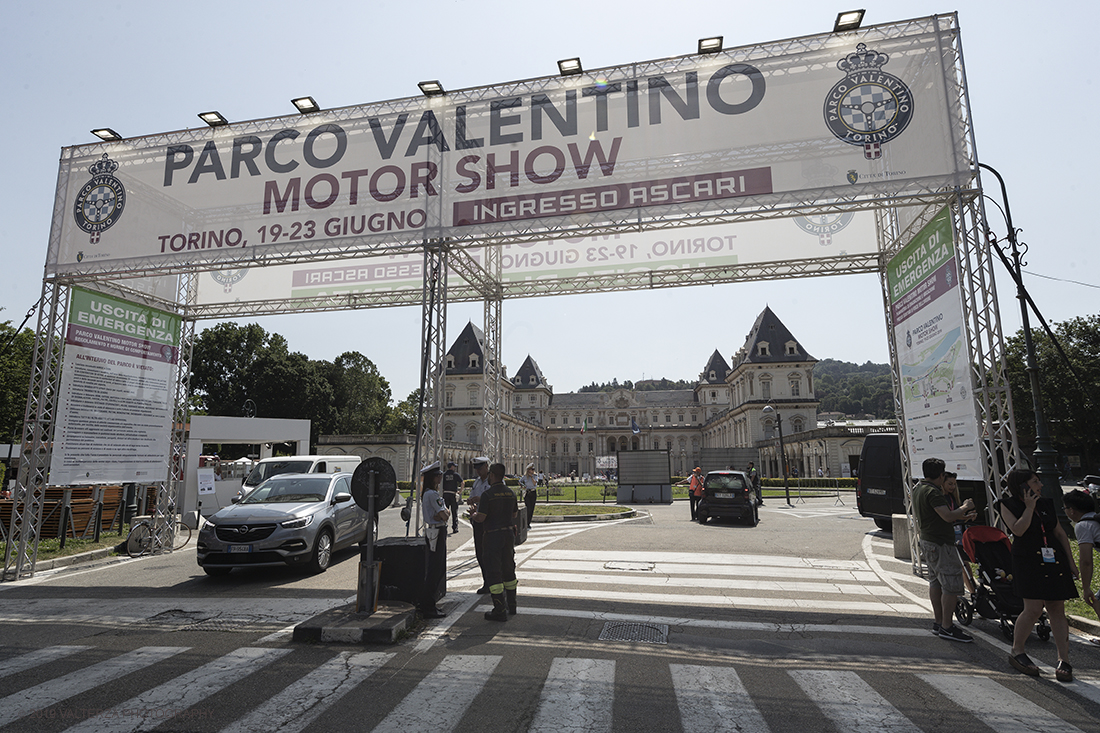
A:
(306, 105)
(431, 88)
(710, 45)
(570, 67)
(214, 119)
(849, 20)
(106, 134)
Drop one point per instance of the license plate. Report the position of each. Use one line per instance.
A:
(877, 492)
(240, 548)
(723, 495)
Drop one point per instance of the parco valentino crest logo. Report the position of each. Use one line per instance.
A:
(100, 202)
(228, 278)
(824, 225)
(868, 107)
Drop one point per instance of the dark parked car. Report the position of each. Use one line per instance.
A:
(728, 494)
(292, 519)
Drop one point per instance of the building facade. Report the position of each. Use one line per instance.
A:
(579, 431)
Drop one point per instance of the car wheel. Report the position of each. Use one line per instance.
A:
(754, 519)
(702, 517)
(215, 572)
(322, 553)
(886, 525)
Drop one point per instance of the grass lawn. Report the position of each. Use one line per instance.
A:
(558, 510)
(51, 548)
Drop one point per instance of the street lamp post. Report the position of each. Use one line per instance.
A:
(769, 411)
(1044, 454)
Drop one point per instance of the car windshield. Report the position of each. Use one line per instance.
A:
(264, 471)
(290, 489)
(723, 481)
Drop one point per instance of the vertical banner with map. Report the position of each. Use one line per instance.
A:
(930, 338)
(117, 384)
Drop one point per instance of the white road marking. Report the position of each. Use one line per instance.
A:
(39, 697)
(38, 656)
(851, 704)
(1011, 713)
(712, 699)
(454, 683)
(303, 701)
(705, 558)
(577, 697)
(172, 699)
(688, 569)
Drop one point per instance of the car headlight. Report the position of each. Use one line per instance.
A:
(297, 523)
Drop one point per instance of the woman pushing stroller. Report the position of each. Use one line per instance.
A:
(1042, 568)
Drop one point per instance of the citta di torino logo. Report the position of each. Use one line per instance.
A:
(868, 107)
(100, 202)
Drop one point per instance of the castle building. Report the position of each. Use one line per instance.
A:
(571, 432)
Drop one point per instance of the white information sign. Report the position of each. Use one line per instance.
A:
(206, 481)
(118, 379)
(933, 358)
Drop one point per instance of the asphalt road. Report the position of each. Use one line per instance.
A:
(656, 623)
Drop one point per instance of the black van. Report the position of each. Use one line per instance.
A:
(880, 490)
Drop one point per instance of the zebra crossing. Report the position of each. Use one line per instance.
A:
(576, 694)
(718, 580)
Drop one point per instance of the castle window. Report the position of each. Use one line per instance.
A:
(795, 388)
(473, 361)
(766, 389)
(553, 421)
(533, 379)
(762, 348)
(449, 398)
(450, 362)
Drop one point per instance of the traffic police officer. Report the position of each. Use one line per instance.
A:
(435, 516)
(496, 513)
(452, 488)
(481, 483)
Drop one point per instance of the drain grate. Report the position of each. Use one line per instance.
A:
(645, 633)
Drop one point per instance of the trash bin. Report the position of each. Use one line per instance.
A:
(404, 562)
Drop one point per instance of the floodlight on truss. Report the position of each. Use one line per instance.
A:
(710, 45)
(849, 20)
(306, 105)
(570, 67)
(106, 134)
(213, 118)
(431, 88)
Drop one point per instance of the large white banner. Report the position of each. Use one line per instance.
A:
(933, 358)
(118, 380)
(838, 117)
(748, 243)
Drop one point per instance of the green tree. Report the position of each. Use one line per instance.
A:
(402, 418)
(360, 395)
(221, 367)
(16, 353)
(1071, 408)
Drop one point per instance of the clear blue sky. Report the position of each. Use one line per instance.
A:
(148, 67)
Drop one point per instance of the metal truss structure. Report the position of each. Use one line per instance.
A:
(468, 267)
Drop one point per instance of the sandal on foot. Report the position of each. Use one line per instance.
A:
(1063, 672)
(1023, 663)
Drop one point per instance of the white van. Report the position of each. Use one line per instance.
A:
(268, 467)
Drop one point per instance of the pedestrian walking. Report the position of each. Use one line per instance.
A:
(530, 484)
(481, 483)
(695, 491)
(496, 513)
(435, 516)
(452, 488)
(1043, 571)
(754, 478)
(937, 543)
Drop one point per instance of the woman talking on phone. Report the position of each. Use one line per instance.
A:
(1043, 571)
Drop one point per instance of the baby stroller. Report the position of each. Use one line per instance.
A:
(994, 599)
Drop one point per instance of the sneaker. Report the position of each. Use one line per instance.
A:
(936, 629)
(954, 633)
